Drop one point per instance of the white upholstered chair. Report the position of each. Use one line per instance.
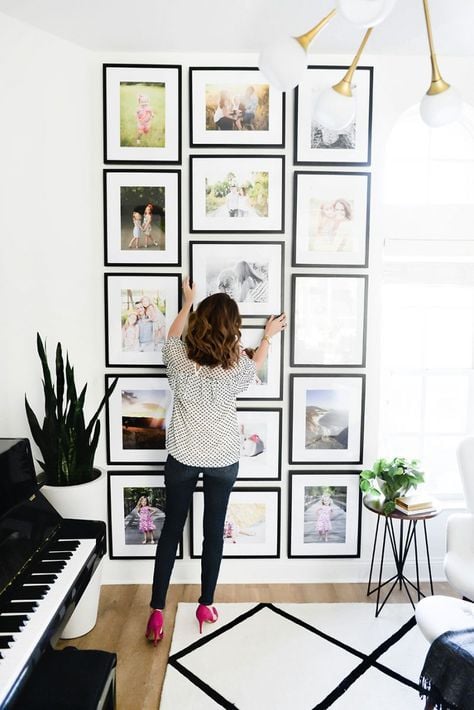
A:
(459, 559)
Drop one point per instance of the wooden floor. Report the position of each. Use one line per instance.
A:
(141, 667)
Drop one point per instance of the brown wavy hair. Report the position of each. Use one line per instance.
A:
(213, 336)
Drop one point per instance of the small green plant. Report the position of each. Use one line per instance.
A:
(392, 479)
(67, 444)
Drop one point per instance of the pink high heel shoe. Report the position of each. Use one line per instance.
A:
(204, 614)
(154, 627)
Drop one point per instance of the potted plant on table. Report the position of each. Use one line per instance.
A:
(391, 479)
(68, 446)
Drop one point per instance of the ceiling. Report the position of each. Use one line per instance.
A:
(241, 26)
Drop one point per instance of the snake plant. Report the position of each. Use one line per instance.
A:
(66, 443)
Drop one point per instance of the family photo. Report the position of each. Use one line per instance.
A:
(144, 415)
(237, 195)
(142, 114)
(325, 514)
(237, 107)
(142, 217)
(244, 281)
(143, 320)
(144, 512)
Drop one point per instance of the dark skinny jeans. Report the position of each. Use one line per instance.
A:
(180, 482)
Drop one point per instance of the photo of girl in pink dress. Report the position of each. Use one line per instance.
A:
(146, 524)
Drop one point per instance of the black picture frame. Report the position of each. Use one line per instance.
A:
(327, 241)
(122, 527)
(242, 168)
(158, 76)
(309, 526)
(358, 148)
(341, 437)
(125, 342)
(269, 549)
(346, 338)
(233, 280)
(165, 198)
(249, 134)
(128, 430)
(255, 443)
(273, 388)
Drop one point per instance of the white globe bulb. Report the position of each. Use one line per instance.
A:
(333, 110)
(365, 13)
(283, 63)
(441, 109)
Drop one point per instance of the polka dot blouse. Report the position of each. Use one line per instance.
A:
(203, 430)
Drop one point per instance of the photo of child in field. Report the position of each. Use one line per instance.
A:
(236, 195)
(142, 114)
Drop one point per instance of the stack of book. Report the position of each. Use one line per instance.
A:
(417, 504)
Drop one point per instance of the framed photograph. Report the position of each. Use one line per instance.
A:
(251, 273)
(136, 514)
(260, 444)
(243, 194)
(137, 416)
(326, 418)
(142, 113)
(268, 383)
(142, 217)
(328, 322)
(235, 107)
(317, 145)
(139, 309)
(331, 219)
(252, 524)
(324, 514)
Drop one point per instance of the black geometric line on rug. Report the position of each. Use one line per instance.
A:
(367, 660)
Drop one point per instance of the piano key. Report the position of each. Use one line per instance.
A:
(30, 592)
(23, 607)
(49, 567)
(53, 555)
(38, 578)
(5, 641)
(16, 658)
(59, 545)
(12, 622)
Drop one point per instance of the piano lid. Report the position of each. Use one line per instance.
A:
(25, 529)
(17, 473)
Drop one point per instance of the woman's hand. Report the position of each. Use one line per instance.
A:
(275, 324)
(189, 292)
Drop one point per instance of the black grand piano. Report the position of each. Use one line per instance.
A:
(46, 562)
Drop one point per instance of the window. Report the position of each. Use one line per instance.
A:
(427, 376)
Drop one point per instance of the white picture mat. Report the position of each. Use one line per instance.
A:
(350, 251)
(298, 484)
(201, 78)
(206, 256)
(314, 82)
(117, 484)
(216, 169)
(116, 180)
(265, 540)
(251, 338)
(169, 76)
(264, 423)
(329, 320)
(351, 388)
(118, 454)
(167, 286)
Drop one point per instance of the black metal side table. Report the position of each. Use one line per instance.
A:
(407, 537)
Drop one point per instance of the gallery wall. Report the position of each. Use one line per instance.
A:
(52, 261)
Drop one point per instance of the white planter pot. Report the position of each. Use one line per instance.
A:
(85, 501)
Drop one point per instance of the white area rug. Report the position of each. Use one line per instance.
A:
(296, 657)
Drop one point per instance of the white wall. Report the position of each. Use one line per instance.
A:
(51, 266)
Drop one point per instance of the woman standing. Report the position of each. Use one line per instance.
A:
(206, 372)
